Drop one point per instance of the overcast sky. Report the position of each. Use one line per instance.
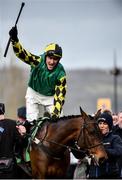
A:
(88, 30)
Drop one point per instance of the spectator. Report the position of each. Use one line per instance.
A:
(115, 119)
(81, 169)
(22, 157)
(118, 130)
(109, 169)
(9, 135)
(107, 111)
(80, 165)
(73, 163)
(21, 119)
(21, 115)
(120, 119)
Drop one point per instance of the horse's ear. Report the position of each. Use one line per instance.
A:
(84, 115)
(81, 110)
(97, 114)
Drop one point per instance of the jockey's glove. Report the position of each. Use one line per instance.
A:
(29, 125)
(54, 116)
(13, 34)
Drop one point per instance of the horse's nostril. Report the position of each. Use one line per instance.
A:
(101, 160)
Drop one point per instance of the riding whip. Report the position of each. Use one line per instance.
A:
(6, 50)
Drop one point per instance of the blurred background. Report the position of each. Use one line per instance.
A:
(90, 34)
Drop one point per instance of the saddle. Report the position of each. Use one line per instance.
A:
(31, 136)
(38, 124)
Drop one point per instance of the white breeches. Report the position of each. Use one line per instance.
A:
(37, 104)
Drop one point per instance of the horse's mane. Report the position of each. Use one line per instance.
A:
(70, 117)
(65, 118)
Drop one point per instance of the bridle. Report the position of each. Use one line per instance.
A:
(85, 126)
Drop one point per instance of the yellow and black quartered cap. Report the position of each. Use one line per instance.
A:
(53, 50)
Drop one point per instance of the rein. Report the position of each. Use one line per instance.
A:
(65, 146)
(53, 154)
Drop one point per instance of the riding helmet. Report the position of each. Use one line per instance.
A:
(53, 50)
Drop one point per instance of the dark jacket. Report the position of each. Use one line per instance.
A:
(118, 131)
(109, 168)
(8, 137)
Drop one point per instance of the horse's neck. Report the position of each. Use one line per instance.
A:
(66, 130)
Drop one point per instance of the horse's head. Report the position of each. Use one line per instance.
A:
(90, 138)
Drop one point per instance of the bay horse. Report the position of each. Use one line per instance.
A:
(50, 150)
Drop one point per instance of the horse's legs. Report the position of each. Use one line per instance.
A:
(39, 173)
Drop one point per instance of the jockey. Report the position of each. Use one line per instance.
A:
(47, 84)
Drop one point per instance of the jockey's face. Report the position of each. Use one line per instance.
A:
(51, 62)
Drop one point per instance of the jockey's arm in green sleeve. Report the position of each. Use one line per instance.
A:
(59, 97)
(25, 55)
